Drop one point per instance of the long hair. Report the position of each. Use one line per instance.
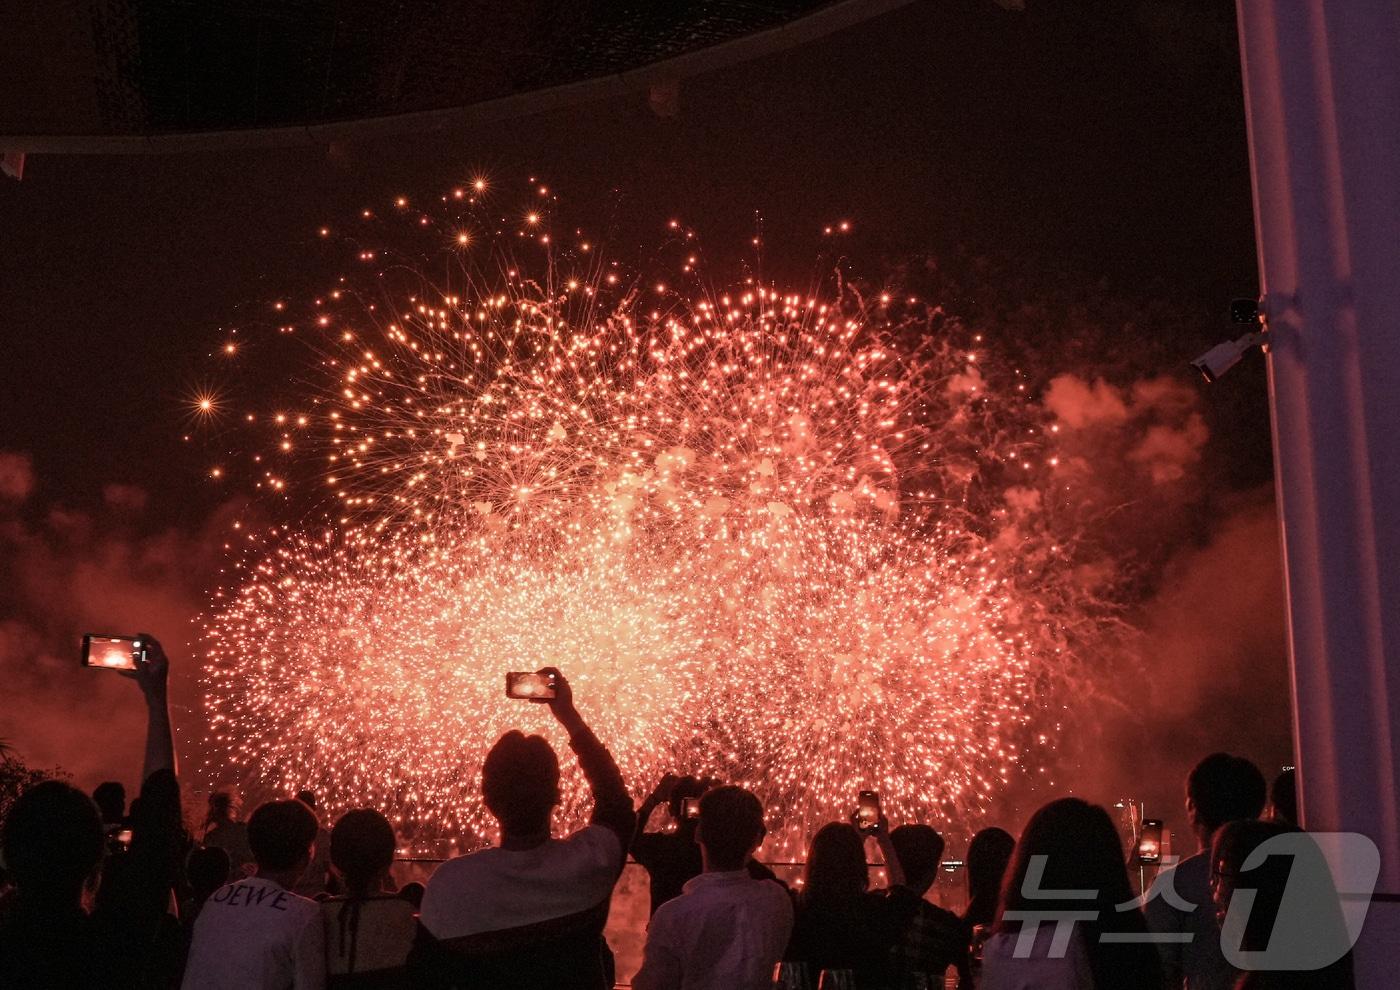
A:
(835, 867)
(362, 848)
(1078, 848)
(988, 855)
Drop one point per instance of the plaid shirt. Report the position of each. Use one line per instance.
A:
(933, 939)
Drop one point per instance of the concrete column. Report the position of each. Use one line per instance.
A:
(1322, 89)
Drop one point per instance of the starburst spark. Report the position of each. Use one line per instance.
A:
(767, 536)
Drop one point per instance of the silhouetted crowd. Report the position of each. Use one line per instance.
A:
(96, 894)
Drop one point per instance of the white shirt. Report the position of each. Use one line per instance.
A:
(254, 933)
(382, 940)
(727, 931)
(1002, 970)
(498, 889)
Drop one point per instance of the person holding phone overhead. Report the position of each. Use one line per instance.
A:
(529, 912)
(841, 924)
(671, 858)
(727, 930)
(53, 845)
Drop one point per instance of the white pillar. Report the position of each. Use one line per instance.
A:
(1322, 90)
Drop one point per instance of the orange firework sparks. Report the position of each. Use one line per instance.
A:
(767, 535)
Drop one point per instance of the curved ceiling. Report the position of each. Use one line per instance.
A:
(158, 75)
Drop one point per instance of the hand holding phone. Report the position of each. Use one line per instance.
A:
(1149, 844)
(868, 817)
(113, 652)
(690, 808)
(540, 686)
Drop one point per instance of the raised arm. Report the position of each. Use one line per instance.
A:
(612, 805)
(880, 832)
(152, 677)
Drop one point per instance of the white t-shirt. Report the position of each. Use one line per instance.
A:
(1007, 967)
(255, 933)
(727, 931)
(382, 940)
(498, 889)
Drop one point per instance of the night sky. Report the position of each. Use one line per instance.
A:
(1087, 141)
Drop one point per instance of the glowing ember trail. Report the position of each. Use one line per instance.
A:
(783, 540)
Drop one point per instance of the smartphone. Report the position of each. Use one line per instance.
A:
(690, 807)
(113, 652)
(1149, 843)
(868, 809)
(529, 686)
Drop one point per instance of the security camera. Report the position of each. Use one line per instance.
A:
(1222, 357)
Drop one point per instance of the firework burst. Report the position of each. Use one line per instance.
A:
(781, 539)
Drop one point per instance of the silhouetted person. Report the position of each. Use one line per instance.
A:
(1283, 798)
(206, 870)
(1321, 930)
(988, 855)
(224, 830)
(110, 797)
(255, 932)
(670, 858)
(841, 924)
(53, 845)
(530, 912)
(727, 930)
(369, 930)
(933, 939)
(1220, 789)
(1068, 847)
(131, 936)
(315, 881)
(141, 887)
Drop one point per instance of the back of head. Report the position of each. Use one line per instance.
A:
(53, 842)
(110, 797)
(307, 797)
(920, 852)
(158, 816)
(730, 827)
(280, 834)
(1283, 797)
(207, 869)
(836, 868)
(1235, 840)
(520, 782)
(1232, 844)
(988, 854)
(1224, 788)
(362, 848)
(1079, 850)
